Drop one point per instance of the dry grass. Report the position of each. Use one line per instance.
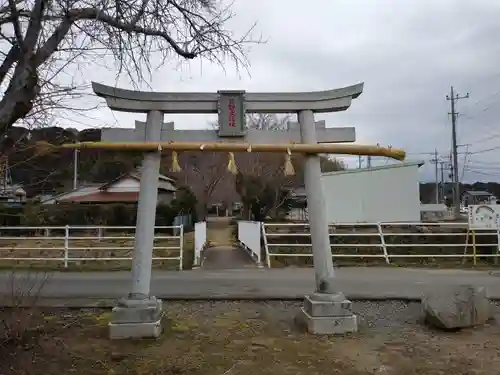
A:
(220, 237)
(38, 247)
(242, 339)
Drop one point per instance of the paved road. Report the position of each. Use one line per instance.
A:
(226, 257)
(356, 283)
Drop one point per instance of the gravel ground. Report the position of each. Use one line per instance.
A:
(243, 338)
(383, 314)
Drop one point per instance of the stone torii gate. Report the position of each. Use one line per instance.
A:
(139, 315)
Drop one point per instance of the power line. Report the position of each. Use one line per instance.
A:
(485, 150)
(484, 173)
(491, 163)
(431, 153)
(488, 138)
(482, 169)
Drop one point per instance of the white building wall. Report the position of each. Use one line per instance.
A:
(383, 194)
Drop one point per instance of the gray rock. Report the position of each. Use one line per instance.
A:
(456, 307)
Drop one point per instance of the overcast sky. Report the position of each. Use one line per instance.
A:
(407, 52)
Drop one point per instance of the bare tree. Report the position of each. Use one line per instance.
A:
(207, 176)
(267, 121)
(38, 38)
(262, 175)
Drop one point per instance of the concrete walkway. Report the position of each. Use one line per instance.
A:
(224, 253)
(226, 257)
(101, 288)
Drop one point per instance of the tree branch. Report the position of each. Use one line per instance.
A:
(34, 28)
(130, 30)
(8, 61)
(15, 23)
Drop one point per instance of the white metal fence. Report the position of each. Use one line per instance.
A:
(81, 244)
(385, 241)
(249, 236)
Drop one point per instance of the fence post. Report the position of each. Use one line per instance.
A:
(66, 245)
(259, 254)
(181, 247)
(268, 258)
(382, 243)
(498, 246)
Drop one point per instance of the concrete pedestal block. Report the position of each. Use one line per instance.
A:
(136, 319)
(324, 304)
(328, 325)
(326, 314)
(120, 331)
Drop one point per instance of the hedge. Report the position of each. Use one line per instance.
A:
(119, 214)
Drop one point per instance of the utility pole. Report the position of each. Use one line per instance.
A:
(435, 162)
(453, 98)
(441, 190)
(75, 169)
(4, 170)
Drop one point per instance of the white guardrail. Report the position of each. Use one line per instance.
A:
(381, 240)
(76, 244)
(249, 236)
(200, 241)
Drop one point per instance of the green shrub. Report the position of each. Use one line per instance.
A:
(120, 214)
(165, 215)
(185, 202)
(10, 216)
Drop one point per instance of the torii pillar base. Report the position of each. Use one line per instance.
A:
(327, 312)
(136, 319)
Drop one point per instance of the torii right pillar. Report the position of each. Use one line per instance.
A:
(327, 311)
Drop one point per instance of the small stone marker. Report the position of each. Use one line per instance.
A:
(457, 307)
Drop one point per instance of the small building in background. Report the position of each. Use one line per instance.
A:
(124, 189)
(388, 193)
(473, 197)
(12, 195)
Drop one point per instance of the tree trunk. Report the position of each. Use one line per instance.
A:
(19, 98)
(201, 211)
(245, 212)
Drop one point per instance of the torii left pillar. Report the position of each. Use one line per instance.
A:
(140, 314)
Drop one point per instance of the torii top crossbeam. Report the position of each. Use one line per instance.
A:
(262, 102)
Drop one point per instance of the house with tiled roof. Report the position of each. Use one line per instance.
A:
(124, 189)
